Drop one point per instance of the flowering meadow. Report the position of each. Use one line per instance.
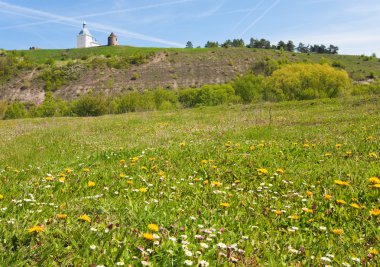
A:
(287, 184)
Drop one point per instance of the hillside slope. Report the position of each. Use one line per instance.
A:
(70, 73)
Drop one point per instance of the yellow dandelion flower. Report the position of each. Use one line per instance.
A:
(86, 170)
(327, 196)
(356, 206)
(374, 180)
(216, 184)
(308, 210)
(340, 201)
(49, 178)
(338, 146)
(205, 182)
(144, 168)
(91, 184)
(327, 155)
(182, 144)
(122, 161)
(36, 229)
(294, 217)
(376, 186)
(61, 216)
(85, 218)
(342, 183)
(373, 251)
(374, 212)
(348, 153)
(313, 145)
(280, 170)
(148, 236)
(143, 189)
(129, 182)
(337, 231)
(278, 212)
(225, 204)
(62, 179)
(372, 155)
(1, 197)
(161, 174)
(214, 167)
(153, 227)
(306, 145)
(252, 148)
(68, 170)
(262, 171)
(122, 175)
(204, 161)
(309, 193)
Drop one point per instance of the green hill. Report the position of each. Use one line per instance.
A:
(27, 75)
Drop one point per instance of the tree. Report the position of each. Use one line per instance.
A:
(302, 48)
(333, 49)
(281, 45)
(189, 44)
(290, 46)
(210, 44)
(238, 43)
(227, 44)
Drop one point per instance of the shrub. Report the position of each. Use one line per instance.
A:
(15, 110)
(306, 81)
(212, 95)
(249, 88)
(51, 107)
(90, 105)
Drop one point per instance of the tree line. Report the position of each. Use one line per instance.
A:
(266, 44)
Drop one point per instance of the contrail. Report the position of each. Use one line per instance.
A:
(260, 17)
(248, 14)
(73, 21)
(100, 14)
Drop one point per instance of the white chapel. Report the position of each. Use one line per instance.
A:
(85, 39)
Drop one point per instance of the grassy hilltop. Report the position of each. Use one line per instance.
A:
(275, 184)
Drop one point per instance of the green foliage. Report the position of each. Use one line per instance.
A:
(90, 105)
(3, 107)
(54, 76)
(15, 110)
(366, 89)
(249, 88)
(51, 107)
(305, 81)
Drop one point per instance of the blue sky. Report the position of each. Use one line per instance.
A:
(353, 25)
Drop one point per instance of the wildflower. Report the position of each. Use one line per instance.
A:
(340, 201)
(216, 184)
(306, 145)
(278, 212)
(68, 170)
(129, 182)
(36, 229)
(122, 161)
(372, 155)
(188, 262)
(92, 247)
(143, 190)
(182, 144)
(222, 245)
(1, 197)
(91, 184)
(327, 197)
(153, 227)
(280, 171)
(86, 170)
(61, 216)
(342, 183)
(120, 263)
(356, 206)
(144, 168)
(375, 212)
(262, 171)
(225, 205)
(252, 148)
(294, 217)
(326, 259)
(338, 146)
(376, 186)
(148, 236)
(204, 245)
(373, 251)
(307, 210)
(203, 263)
(85, 218)
(348, 153)
(338, 231)
(327, 155)
(309, 193)
(374, 180)
(204, 161)
(62, 179)
(188, 253)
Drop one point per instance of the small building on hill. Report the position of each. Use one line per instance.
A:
(112, 40)
(85, 38)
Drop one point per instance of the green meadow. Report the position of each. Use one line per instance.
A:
(269, 184)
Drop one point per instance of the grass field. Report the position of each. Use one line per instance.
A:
(287, 184)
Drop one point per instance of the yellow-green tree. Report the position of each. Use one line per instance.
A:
(306, 81)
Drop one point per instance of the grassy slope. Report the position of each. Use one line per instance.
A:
(36, 147)
(356, 65)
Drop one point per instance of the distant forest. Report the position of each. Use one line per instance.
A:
(266, 44)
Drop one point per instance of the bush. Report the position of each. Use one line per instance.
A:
(3, 107)
(306, 81)
(249, 88)
(15, 110)
(51, 107)
(90, 105)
